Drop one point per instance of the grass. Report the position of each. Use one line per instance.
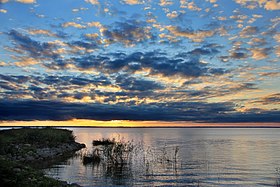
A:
(39, 137)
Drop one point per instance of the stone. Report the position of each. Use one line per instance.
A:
(17, 170)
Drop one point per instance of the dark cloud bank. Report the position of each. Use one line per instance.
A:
(188, 111)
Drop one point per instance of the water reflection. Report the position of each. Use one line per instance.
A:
(206, 157)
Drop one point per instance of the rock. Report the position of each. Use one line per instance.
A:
(74, 185)
(43, 152)
(17, 170)
(29, 158)
(30, 153)
(64, 183)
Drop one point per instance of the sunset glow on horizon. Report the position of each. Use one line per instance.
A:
(124, 123)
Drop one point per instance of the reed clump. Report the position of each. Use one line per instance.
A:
(115, 153)
(110, 151)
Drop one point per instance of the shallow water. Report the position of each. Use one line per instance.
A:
(206, 157)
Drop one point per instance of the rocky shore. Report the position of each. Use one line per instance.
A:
(27, 153)
(21, 148)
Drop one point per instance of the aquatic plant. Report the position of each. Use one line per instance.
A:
(110, 151)
(115, 154)
(103, 142)
(94, 157)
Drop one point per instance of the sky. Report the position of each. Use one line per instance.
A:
(206, 61)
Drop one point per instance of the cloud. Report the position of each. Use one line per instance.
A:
(82, 46)
(209, 49)
(4, 11)
(73, 24)
(137, 84)
(269, 99)
(260, 53)
(173, 14)
(182, 64)
(26, 1)
(15, 79)
(12, 86)
(51, 110)
(277, 37)
(79, 9)
(277, 51)
(236, 53)
(127, 33)
(94, 24)
(93, 2)
(180, 111)
(272, 5)
(257, 42)
(41, 32)
(248, 31)
(34, 48)
(26, 62)
(70, 81)
(42, 87)
(51, 50)
(192, 6)
(165, 2)
(20, 1)
(132, 2)
(92, 35)
(266, 4)
(195, 36)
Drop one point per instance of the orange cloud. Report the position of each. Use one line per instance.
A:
(73, 24)
(132, 2)
(197, 36)
(26, 62)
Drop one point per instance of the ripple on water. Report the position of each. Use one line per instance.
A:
(206, 157)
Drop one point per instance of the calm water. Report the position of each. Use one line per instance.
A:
(206, 157)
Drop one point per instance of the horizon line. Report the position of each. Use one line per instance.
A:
(154, 127)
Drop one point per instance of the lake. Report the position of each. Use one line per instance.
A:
(205, 157)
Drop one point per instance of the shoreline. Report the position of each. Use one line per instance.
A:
(21, 149)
